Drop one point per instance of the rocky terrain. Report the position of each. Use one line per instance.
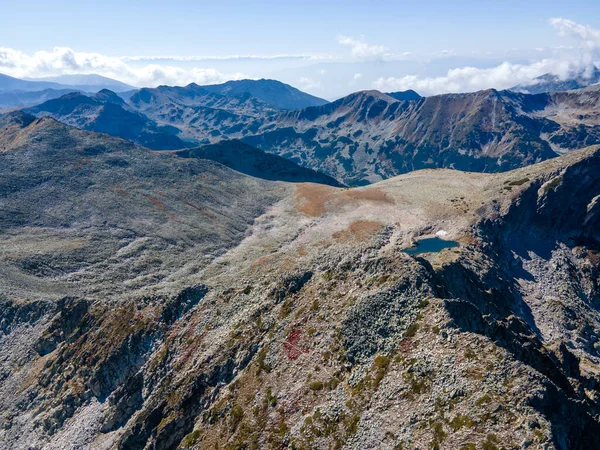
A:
(106, 112)
(154, 301)
(369, 136)
(272, 92)
(201, 115)
(254, 162)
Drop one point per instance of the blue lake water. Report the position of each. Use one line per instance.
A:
(430, 245)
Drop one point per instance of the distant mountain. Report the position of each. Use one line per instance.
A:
(106, 95)
(14, 92)
(105, 112)
(553, 83)
(89, 83)
(405, 95)
(368, 136)
(359, 139)
(19, 99)
(201, 115)
(252, 161)
(194, 95)
(8, 83)
(272, 92)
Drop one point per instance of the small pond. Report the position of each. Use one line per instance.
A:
(430, 245)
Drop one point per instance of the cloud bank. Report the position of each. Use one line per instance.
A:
(575, 57)
(66, 61)
(506, 75)
(469, 79)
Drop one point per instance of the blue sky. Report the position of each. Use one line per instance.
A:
(328, 48)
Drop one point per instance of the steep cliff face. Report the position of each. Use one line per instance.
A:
(300, 322)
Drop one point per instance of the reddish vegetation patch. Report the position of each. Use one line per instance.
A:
(314, 199)
(293, 347)
(203, 211)
(157, 204)
(122, 192)
(264, 260)
(405, 346)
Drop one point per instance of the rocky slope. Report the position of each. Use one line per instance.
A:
(370, 136)
(157, 302)
(272, 92)
(200, 114)
(106, 112)
(254, 162)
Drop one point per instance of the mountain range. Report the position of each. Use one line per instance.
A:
(370, 136)
(553, 83)
(359, 139)
(106, 112)
(87, 83)
(155, 299)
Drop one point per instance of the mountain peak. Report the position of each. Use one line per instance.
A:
(405, 95)
(272, 92)
(108, 96)
(550, 82)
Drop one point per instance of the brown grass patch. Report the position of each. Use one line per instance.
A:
(157, 205)
(263, 260)
(314, 200)
(372, 195)
(202, 211)
(359, 230)
(122, 192)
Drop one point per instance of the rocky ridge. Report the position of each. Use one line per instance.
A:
(308, 326)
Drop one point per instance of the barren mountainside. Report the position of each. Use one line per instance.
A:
(370, 136)
(105, 112)
(152, 300)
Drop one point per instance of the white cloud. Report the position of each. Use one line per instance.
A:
(303, 57)
(447, 53)
(357, 76)
(506, 75)
(361, 49)
(308, 84)
(469, 79)
(588, 37)
(65, 61)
